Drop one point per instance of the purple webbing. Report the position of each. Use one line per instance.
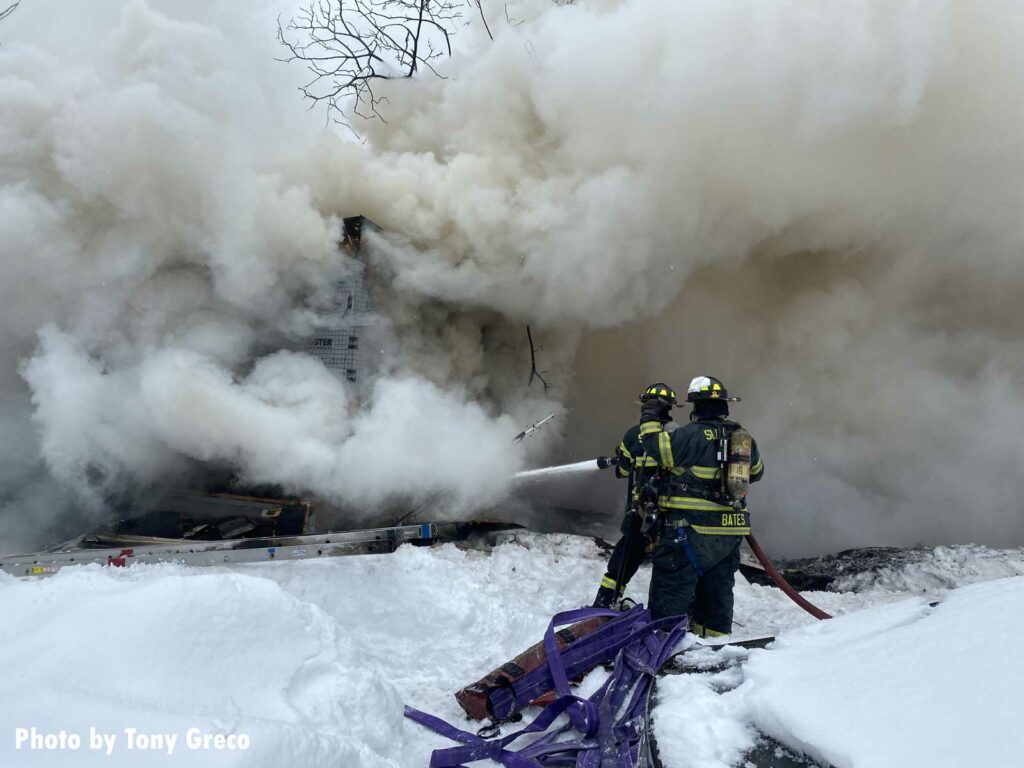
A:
(609, 731)
(577, 659)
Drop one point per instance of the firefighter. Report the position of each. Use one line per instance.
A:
(695, 559)
(635, 466)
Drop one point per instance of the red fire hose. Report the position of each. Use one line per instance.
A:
(781, 583)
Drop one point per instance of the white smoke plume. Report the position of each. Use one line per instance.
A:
(816, 202)
(159, 247)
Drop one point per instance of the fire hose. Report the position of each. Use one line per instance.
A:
(604, 462)
(781, 582)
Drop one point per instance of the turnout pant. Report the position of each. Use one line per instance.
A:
(628, 554)
(676, 588)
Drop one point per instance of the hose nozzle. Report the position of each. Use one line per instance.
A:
(605, 462)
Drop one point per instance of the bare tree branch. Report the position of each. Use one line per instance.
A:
(510, 21)
(483, 18)
(10, 9)
(348, 45)
(534, 373)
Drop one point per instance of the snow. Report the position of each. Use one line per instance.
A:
(697, 383)
(312, 661)
(940, 569)
(698, 727)
(900, 684)
(896, 684)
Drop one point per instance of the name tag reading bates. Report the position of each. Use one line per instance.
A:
(734, 519)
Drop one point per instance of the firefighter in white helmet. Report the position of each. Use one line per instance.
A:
(696, 552)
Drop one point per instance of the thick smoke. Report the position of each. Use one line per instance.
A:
(160, 246)
(816, 202)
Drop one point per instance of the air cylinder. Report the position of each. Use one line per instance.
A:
(737, 473)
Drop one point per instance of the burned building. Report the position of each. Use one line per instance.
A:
(344, 348)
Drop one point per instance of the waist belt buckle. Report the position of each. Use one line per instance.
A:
(678, 527)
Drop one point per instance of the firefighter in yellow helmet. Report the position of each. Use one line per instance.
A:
(633, 465)
(697, 552)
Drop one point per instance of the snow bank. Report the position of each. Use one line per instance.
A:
(312, 661)
(939, 569)
(167, 649)
(901, 684)
(696, 727)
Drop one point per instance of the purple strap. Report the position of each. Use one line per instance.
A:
(610, 724)
(477, 748)
(584, 715)
(578, 658)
